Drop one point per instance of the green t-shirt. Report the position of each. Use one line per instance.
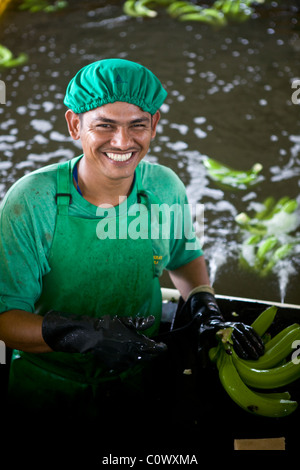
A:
(27, 225)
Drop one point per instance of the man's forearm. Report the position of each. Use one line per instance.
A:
(189, 276)
(22, 330)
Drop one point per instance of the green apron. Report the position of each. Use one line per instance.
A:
(89, 276)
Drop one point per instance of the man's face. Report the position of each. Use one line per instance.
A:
(115, 137)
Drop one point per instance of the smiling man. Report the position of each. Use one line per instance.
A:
(114, 138)
(80, 308)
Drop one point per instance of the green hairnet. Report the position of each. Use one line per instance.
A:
(110, 80)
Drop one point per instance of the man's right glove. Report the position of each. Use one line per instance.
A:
(115, 341)
(202, 310)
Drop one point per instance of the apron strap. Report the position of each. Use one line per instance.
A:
(63, 196)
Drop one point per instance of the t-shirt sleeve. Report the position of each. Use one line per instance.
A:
(184, 245)
(23, 259)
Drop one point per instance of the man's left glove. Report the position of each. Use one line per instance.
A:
(115, 341)
(204, 312)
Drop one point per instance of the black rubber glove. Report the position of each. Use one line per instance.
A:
(204, 310)
(115, 341)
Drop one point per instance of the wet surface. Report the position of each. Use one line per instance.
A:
(230, 98)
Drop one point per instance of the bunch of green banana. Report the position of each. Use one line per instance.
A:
(141, 8)
(185, 10)
(8, 60)
(239, 377)
(262, 254)
(235, 10)
(228, 176)
(272, 207)
(274, 369)
(43, 5)
(188, 11)
(266, 240)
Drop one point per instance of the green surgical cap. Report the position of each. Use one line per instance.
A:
(110, 80)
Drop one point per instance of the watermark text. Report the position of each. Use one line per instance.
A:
(2, 352)
(153, 221)
(2, 92)
(295, 356)
(296, 94)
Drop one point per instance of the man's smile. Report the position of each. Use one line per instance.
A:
(119, 157)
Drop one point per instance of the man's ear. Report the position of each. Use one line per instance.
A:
(154, 122)
(74, 122)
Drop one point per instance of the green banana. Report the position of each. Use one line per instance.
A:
(263, 254)
(242, 395)
(196, 17)
(33, 5)
(207, 15)
(175, 5)
(282, 252)
(268, 206)
(250, 224)
(213, 12)
(5, 55)
(275, 377)
(235, 9)
(290, 206)
(143, 10)
(186, 9)
(42, 5)
(276, 395)
(59, 5)
(272, 342)
(129, 8)
(15, 62)
(164, 3)
(223, 5)
(183, 10)
(271, 207)
(239, 376)
(8, 60)
(263, 322)
(229, 176)
(280, 350)
(253, 240)
(266, 245)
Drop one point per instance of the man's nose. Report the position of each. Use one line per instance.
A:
(121, 138)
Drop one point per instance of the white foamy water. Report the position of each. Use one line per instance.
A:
(285, 271)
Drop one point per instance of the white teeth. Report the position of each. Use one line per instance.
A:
(118, 157)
